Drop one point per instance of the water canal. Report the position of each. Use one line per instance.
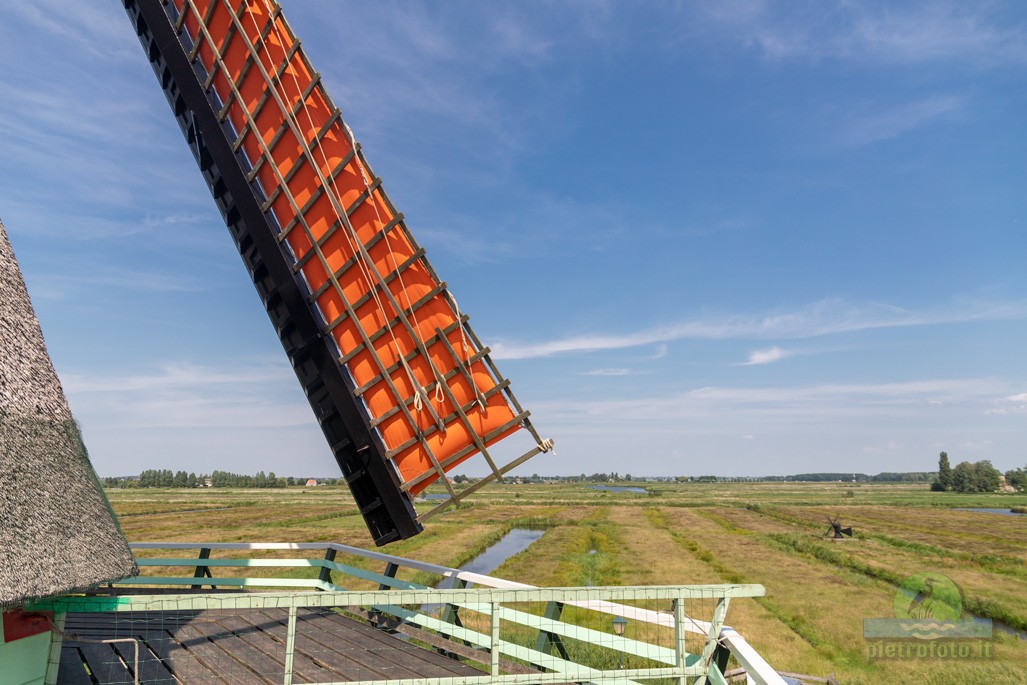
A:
(517, 540)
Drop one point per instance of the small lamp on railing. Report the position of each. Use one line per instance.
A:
(619, 624)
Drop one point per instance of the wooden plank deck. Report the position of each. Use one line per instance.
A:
(237, 648)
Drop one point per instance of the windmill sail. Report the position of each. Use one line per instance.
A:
(400, 384)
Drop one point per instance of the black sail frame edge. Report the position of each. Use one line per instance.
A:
(387, 511)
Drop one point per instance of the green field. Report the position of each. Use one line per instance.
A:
(818, 591)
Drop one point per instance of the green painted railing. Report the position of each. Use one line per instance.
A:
(676, 633)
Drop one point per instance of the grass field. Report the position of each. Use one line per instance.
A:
(818, 591)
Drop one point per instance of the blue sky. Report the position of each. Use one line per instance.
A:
(735, 238)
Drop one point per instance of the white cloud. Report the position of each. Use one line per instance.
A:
(60, 285)
(774, 354)
(861, 427)
(880, 33)
(191, 397)
(659, 353)
(1012, 404)
(609, 372)
(938, 31)
(820, 318)
(872, 123)
(179, 375)
(788, 403)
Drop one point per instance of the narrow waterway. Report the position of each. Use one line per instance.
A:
(517, 540)
(987, 510)
(618, 488)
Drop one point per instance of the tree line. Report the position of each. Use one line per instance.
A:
(166, 478)
(980, 476)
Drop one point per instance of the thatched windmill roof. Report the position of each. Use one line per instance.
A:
(57, 531)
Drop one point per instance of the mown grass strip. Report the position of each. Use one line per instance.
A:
(799, 625)
(289, 523)
(805, 546)
(995, 563)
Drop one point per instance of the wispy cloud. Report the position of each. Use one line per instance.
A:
(93, 29)
(872, 123)
(1012, 404)
(768, 356)
(610, 372)
(440, 75)
(939, 31)
(57, 286)
(979, 34)
(831, 402)
(791, 428)
(177, 375)
(820, 318)
(660, 352)
(590, 226)
(182, 395)
(196, 417)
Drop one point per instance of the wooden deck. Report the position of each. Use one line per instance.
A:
(238, 648)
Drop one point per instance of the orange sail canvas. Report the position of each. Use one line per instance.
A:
(430, 395)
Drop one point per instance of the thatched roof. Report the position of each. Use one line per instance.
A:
(57, 531)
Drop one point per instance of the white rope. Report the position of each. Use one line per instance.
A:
(467, 357)
(355, 244)
(463, 334)
(547, 445)
(363, 261)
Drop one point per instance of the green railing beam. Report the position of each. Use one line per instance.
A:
(487, 605)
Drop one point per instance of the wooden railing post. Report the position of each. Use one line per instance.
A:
(546, 640)
(325, 576)
(494, 642)
(451, 613)
(203, 571)
(680, 652)
(390, 572)
(290, 645)
(376, 617)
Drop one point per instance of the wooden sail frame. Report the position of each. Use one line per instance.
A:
(402, 387)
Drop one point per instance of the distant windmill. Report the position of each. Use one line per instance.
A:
(836, 531)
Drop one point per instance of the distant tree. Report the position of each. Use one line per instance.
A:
(944, 472)
(1017, 478)
(986, 477)
(963, 477)
(979, 477)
